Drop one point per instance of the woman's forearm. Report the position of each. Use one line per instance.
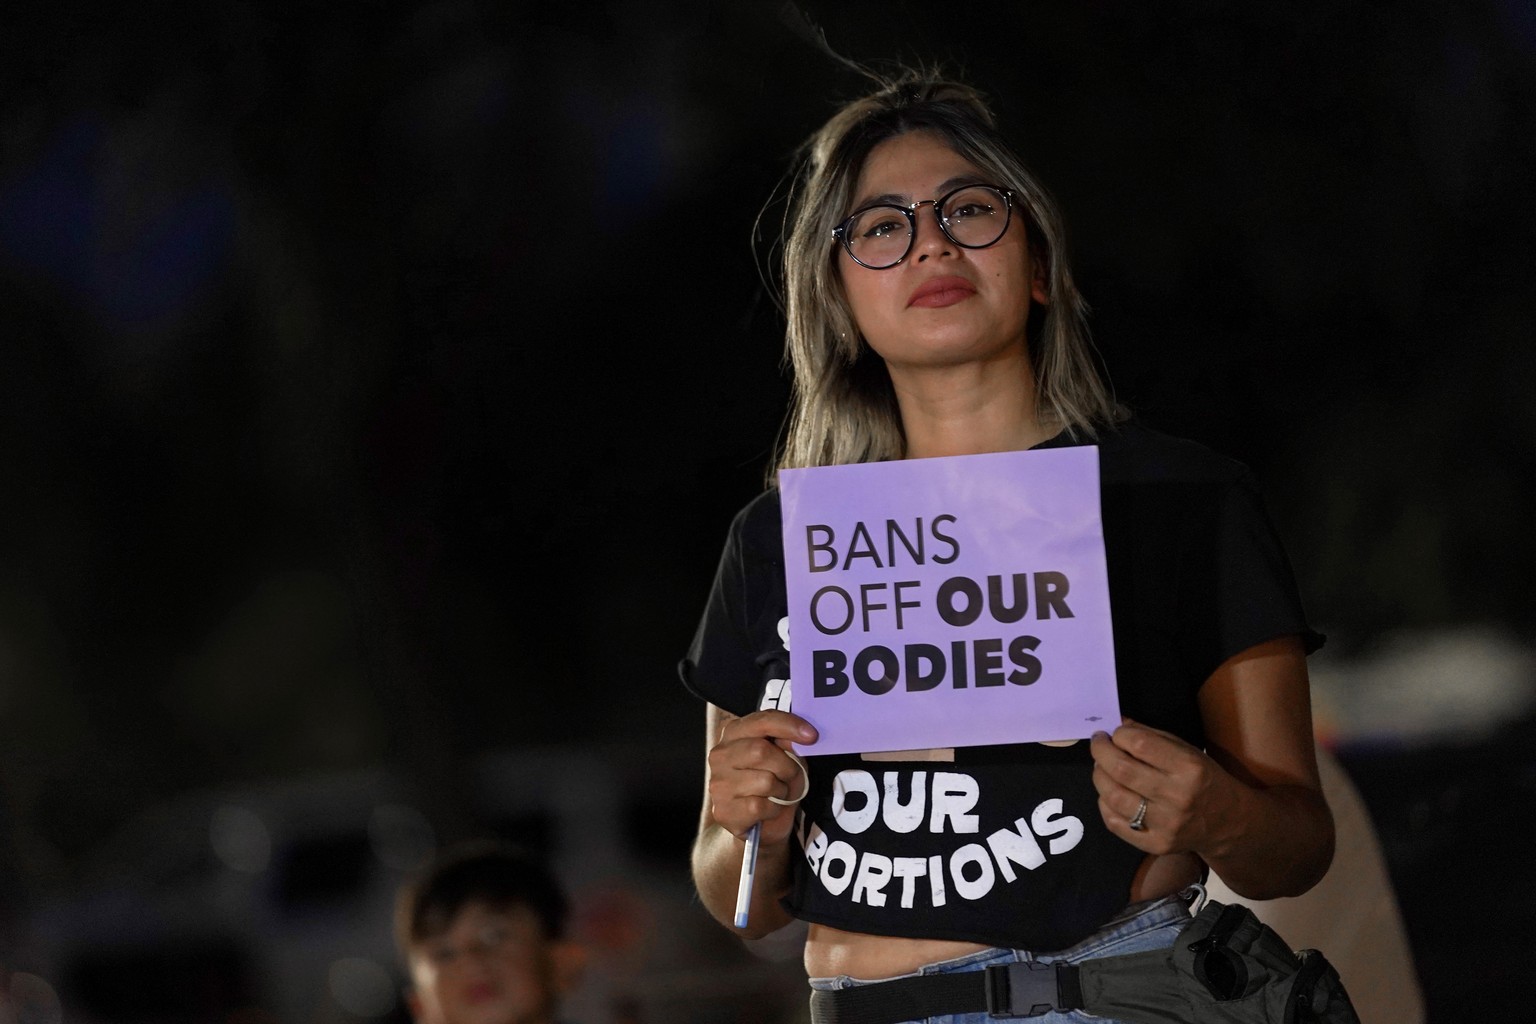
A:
(1275, 835)
(1276, 841)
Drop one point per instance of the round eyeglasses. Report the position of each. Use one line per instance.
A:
(880, 236)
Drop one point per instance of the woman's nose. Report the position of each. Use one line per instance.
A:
(931, 239)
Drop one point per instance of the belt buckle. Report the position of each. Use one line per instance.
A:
(1025, 989)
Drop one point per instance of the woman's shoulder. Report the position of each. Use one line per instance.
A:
(758, 526)
(1133, 452)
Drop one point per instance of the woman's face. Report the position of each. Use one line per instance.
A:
(943, 305)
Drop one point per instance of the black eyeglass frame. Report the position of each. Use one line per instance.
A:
(840, 233)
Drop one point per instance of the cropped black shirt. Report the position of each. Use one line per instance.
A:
(1004, 845)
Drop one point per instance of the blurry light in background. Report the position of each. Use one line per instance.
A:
(241, 839)
(362, 987)
(1451, 685)
(31, 1000)
(401, 836)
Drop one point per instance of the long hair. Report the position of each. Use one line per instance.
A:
(843, 408)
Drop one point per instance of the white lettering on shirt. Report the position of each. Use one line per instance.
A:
(954, 795)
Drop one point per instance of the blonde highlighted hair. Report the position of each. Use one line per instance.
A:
(843, 408)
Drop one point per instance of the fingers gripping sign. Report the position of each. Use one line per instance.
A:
(754, 777)
(765, 750)
(750, 772)
(1157, 792)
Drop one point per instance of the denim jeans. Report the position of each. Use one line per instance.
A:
(1140, 927)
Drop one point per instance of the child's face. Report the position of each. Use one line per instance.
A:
(491, 966)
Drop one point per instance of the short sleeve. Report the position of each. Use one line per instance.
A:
(719, 666)
(1237, 587)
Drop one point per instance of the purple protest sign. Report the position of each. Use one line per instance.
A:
(949, 602)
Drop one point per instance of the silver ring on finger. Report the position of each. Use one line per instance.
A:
(1138, 821)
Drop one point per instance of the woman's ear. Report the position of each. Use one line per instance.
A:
(1039, 276)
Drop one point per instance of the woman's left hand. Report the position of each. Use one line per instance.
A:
(1186, 791)
(1250, 805)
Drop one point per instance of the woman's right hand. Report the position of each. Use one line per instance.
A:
(750, 762)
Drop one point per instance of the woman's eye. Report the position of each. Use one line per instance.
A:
(884, 228)
(969, 210)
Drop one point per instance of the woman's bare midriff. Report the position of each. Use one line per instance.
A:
(831, 952)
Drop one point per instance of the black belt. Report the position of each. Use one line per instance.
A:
(1025, 989)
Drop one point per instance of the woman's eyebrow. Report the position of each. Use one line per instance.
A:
(904, 200)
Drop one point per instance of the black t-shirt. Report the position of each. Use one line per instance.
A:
(1004, 845)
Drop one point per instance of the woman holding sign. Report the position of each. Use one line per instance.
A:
(931, 313)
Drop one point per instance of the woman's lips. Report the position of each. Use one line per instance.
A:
(941, 291)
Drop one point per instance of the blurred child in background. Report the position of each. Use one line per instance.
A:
(483, 934)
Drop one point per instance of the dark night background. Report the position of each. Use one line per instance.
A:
(378, 381)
